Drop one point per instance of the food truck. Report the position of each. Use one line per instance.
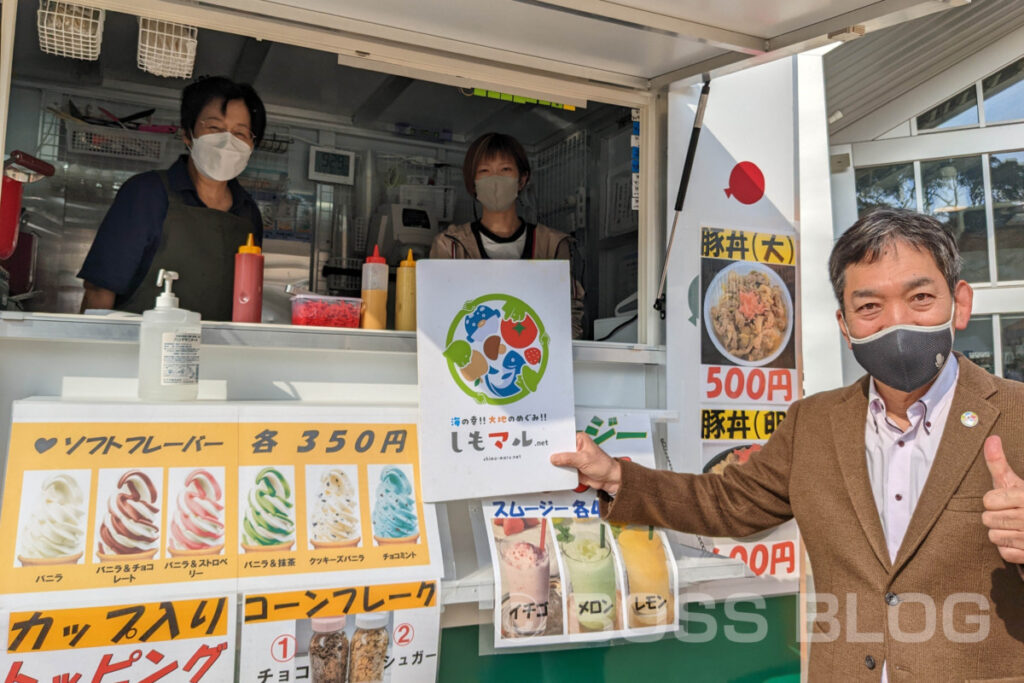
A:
(370, 111)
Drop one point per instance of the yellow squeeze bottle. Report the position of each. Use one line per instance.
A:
(375, 292)
(405, 294)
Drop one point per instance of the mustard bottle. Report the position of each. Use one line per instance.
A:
(405, 294)
(375, 292)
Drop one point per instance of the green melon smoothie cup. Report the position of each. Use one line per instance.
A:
(591, 570)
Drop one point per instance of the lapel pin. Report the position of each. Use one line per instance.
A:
(969, 419)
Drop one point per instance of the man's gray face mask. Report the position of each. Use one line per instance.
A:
(497, 192)
(905, 357)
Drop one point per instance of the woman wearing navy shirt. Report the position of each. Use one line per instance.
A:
(190, 218)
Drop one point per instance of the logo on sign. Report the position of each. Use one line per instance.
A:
(746, 183)
(497, 349)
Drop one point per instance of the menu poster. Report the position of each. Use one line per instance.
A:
(495, 376)
(120, 497)
(329, 489)
(181, 640)
(748, 341)
(563, 575)
(358, 633)
(117, 496)
(772, 553)
(574, 578)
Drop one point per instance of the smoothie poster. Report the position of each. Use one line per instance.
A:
(495, 376)
(563, 575)
(367, 633)
(122, 497)
(574, 578)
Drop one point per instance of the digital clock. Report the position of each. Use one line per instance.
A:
(329, 165)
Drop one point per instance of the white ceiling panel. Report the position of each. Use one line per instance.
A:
(765, 19)
(625, 42)
(526, 29)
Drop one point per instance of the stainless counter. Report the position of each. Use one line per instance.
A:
(58, 327)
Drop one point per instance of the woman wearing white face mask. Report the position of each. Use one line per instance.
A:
(190, 218)
(495, 171)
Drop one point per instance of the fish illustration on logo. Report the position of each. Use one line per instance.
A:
(504, 385)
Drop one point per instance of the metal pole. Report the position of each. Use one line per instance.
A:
(684, 182)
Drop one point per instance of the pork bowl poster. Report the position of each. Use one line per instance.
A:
(494, 358)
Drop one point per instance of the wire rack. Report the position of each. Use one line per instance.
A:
(275, 144)
(167, 49)
(560, 183)
(114, 142)
(69, 30)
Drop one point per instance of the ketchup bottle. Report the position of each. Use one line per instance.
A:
(247, 303)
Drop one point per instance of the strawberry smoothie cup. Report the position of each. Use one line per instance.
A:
(525, 583)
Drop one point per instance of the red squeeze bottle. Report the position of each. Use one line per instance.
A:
(247, 303)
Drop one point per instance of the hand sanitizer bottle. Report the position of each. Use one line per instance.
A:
(169, 348)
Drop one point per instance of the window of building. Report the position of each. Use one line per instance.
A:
(957, 192)
(1012, 338)
(995, 342)
(1007, 177)
(1003, 94)
(885, 186)
(976, 342)
(954, 192)
(956, 112)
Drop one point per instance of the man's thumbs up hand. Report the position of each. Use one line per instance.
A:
(1004, 504)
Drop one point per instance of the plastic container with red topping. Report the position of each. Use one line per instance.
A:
(326, 311)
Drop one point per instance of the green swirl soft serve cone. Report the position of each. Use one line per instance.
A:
(268, 518)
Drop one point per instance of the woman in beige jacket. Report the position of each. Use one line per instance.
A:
(495, 171)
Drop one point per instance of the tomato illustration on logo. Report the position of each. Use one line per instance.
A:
(519, 334)
(497, 349)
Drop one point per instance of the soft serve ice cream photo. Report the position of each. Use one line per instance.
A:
(129, 521)
(333, 506)
(395, 518)
(54, 518)
(196, 514)
(267, 508)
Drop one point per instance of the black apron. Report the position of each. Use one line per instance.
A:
(199, 244)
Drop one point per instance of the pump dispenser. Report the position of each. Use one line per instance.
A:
(405, 294)
(168, 347)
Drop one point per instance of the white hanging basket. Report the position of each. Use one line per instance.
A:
(167, 49)
(70, 30)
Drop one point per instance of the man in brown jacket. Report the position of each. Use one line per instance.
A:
(911, 510)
